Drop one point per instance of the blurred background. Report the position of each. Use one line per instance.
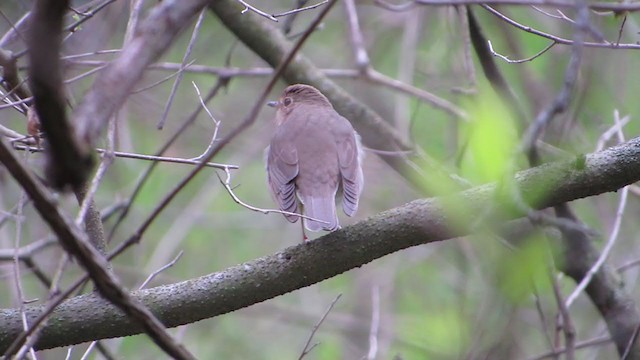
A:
(470, 298)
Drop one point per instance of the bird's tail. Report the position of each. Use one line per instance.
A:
(323, 209)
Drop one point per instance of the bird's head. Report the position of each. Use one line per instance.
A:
(294, 96)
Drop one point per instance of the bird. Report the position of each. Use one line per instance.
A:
(314, 155)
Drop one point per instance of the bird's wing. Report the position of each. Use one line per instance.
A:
(282, 169)
(349, 157)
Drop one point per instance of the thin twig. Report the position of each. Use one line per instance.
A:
(295, 11)
(541, 315)
(88, 15)
(163, 268)
(559, 40)
(216, 124)
(87, 54)
(375, 323)
(563, 99)
(628, 265)
(154, 158)
(615, 129)
(357, 41)
(248, 7)
(288, 22)
(163, 80)
(634, 338)
(11, 134)
(521, 60)
(16, 273)
(176, 83)
(15, 29)
(27, 250)
(83, 75)
(565, 317)
(135, 11)
(390, 153)
(227, 186)
(371, 76)
(308, 349)
(624, 21)
(15, 104)
(430, 98)
(602, 340)
(599, 6)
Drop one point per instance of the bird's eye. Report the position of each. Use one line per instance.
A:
(287, 101)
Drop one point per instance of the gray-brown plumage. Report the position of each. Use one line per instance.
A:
(313, 154)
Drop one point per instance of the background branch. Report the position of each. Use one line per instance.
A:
(69, 161)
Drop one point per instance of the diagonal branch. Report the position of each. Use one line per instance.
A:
(419, 222)
(75, 242)
(69, 162)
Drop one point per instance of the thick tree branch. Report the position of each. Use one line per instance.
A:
(89, 317)
(68, 162)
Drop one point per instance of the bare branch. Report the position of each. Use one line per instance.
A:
(599, 6)
(375, 323)
(163, 268)
(216, 124)
(231, 72)
(27, 250)
(564, 317)
(227, 185)
(562, 100)
(187, 53)
(546, 48)
(602, 340)
(357, 41)
(248, 7)
(308, 349)
(69, 160)
(295, 11)
(557, 39)
(145, 157)
(15, 29)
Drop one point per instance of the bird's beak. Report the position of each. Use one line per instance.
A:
(272, 103)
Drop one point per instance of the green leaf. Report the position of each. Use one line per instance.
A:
(492, 139)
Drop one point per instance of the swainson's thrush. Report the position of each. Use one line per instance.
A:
(314, 154)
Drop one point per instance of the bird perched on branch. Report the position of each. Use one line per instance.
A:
(314, 154)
